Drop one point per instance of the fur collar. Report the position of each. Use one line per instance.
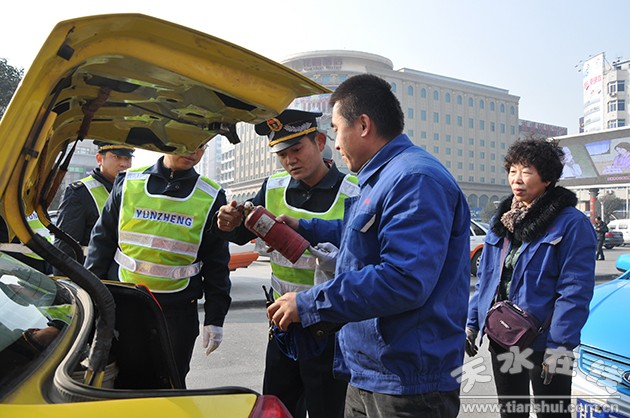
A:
(539, 216)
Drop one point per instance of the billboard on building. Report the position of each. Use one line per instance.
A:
(593, 81)
(596, 159)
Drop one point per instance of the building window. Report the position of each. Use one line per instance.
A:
(410, 133)
(482, 155)
(448, 138)
(492, 106)
(471, 179)
(393, 87)
(459, 153)
(502, 108)
(482, 142)
(482, 167)
(616, 86)
(482, 104)
(482, 179)
(436, 95)
(423, 115)
(493, 169)
(436, 117)
(512, 130)
(616, 105)
(436, 137)
(512, 110)
(616, 123)
(493, 144)
(493, 157)
(459, 99)
(471, 166)
(471, 154)
(423, 93)
(482, 125)
(436, 150)
(492, 126)
(471, 102)
(410, 113)
(459, 178)
(448, 119)
(471, 123)
(423, 134)
(448, 151)
(459, 140)
(459, 121)
(502, 130)
(460, 165)
(471, 141)
(447, 97)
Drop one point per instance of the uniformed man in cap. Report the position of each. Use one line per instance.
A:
(83, 200)
(310, 187)
(155, 231)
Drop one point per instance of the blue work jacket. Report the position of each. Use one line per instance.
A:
(554, 275)
(403, 275)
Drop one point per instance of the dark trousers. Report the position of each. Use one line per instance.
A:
(305, 385)
(183, 329)
(600, 250)
(362, 403)
(550, 400)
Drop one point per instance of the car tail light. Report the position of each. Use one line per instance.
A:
(610, 234)
(269, 406)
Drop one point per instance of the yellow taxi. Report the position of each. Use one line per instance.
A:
(75, 346)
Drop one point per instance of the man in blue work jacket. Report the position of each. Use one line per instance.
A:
(403, 277)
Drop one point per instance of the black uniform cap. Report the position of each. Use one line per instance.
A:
(286, 129)
(118, 149)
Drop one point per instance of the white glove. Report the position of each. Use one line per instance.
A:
(326, 256)
(212, 337)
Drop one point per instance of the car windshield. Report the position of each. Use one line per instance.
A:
(33, 312)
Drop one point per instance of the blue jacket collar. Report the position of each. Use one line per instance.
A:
(383, 156)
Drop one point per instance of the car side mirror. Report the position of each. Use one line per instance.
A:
(623, 263)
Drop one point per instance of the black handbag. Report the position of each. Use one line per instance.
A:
(508, 325)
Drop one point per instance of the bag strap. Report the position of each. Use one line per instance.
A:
(504, 248)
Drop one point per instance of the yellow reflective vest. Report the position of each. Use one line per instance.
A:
(97, 190)
(38, 227)
(159, 236)
(286, 276)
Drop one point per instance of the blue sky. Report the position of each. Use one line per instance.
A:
(529, 47)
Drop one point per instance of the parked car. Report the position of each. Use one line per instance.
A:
(623, 226)
(613, 239)
(138, 80)
(602, 382)
(477, 237)
(241, 256)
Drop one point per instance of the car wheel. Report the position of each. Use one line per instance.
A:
(474, 263)
(608, 247)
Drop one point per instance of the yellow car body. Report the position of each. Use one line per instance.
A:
(123, 78)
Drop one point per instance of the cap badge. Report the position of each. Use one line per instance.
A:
(298, 128)
(274, 124)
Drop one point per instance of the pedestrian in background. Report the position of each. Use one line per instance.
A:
(600, 229)
(155, 231)
(310, 187)
(538, 255)
(403, 274)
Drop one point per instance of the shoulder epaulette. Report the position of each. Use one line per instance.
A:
(76, 184)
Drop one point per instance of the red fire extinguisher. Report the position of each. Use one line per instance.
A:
(279, 236)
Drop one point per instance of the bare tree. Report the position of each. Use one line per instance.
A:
(10, 77)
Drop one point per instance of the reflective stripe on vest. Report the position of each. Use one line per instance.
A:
(38, 227)
(300, 275)
(159, 236)
(98, 192)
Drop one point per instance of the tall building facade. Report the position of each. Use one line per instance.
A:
(605, 94)
(467, 126)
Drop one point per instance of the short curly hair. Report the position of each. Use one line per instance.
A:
(543, 154)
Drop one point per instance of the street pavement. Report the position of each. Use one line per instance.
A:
(247, 283)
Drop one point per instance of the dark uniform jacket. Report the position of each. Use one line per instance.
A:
(214, 280)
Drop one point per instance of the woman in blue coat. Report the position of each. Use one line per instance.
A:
(547, 269)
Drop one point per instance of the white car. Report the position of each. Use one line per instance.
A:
(478, 232)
